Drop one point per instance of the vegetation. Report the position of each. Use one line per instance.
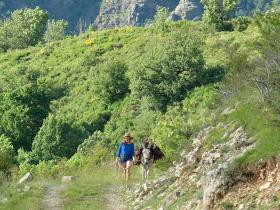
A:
(24, 28)
(66, 105)
(217, 12)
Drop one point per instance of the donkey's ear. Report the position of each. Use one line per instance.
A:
(150, 146)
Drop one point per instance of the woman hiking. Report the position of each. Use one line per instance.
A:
(125, 154)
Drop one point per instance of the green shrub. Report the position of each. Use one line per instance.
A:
(180, 122)
(6, 153)
(55, 140)
(241, 23)
(55, 30)
(24, 28)
(96, 156)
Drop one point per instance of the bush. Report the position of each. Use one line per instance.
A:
(55, 140)
(55, 30)
(96, 156)
(241, 23)
(6, 153)
(217, 12)
(180, 122)
(24, 28)
(110, 82)
(170, 69)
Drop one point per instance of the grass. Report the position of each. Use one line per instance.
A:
(263, 125)
(259, 120)
(21, 199)
(89, 189)
(182, 200)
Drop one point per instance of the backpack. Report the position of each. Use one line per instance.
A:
(158, 154)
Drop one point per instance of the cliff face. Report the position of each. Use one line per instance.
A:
(188, 10)
(108, 13)
(114, 13)
(129, 12)
(136, 12)
(74, 11)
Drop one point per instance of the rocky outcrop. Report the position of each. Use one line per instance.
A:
(66, 179)
(27, 177)
(201, 174)
(188, 10)
(115, 13)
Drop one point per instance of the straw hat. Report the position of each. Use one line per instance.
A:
(127, 134)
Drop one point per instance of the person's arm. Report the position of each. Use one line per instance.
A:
(119, 152)
(133, 153)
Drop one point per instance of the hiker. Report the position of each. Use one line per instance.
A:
(126, 155)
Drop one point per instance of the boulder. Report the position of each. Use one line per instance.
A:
(4, 200)
(265, 186)
(27, 177)
(66, 179)
(210, 158)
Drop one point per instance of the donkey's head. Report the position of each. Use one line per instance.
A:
(147, 156)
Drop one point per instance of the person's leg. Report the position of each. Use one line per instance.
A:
(128, 166)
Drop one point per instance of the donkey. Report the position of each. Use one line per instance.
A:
(148, 154)
(147, 160)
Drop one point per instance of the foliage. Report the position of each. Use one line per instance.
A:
(110, 82)
(160, 22)
(181, 121)
(168, 74)
(217, 12)
(241, 23)
(55, 140)
(55, 30)
(24, 28)
(24, 103)
(6, 153)
(96, 156)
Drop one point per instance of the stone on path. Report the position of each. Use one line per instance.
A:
(27, 177)
(66, 179)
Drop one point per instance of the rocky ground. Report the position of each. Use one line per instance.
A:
(207, 178)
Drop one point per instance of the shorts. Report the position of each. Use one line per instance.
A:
(125, 158)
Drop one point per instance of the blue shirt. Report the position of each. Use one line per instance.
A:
(126, 150)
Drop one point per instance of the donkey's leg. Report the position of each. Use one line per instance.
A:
(146, 172)
(143, 172)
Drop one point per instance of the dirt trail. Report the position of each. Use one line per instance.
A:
(113, 200)
(52, 199)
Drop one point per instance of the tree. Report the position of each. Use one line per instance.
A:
(217, 12)
(55, 140)
(24, 103)
(170, 69)
(6, 153)
(24, 28)
(110, 82)
(160, 21)
(55, 30)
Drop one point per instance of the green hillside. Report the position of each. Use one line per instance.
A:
(66, 104)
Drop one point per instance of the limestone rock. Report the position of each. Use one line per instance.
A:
(27, 177)
(66, 179)
(3, 200)
(188, 10)
(115, 13)
(265, 186)
(227, 111)
(209, 158)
